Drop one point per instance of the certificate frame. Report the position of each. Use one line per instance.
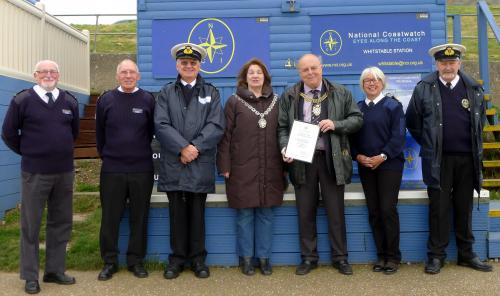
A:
(302, 141)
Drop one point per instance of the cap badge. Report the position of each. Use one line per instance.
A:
(188, 50)
(449, 51)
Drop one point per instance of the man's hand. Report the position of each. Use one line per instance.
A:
(326, 125)
(286, 159)
(376, 161)
(226, 175)
(188, 154)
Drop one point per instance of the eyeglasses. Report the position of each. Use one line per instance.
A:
(370, 81)
(45, 72)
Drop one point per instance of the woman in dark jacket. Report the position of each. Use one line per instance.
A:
(378, 149)
(249, 158)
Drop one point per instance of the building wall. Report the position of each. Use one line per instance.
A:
(290, 33)
(29, 35)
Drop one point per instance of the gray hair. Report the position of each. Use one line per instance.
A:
(37, 66)
(126, 60)
(375, 72)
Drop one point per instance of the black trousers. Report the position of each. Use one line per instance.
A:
(307, 197)
(457, 188)
(381, 188)
(115, 190)
(187, 227)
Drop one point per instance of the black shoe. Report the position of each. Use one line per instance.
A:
(172, 271)
(58, 278)
(391, 268)
(265, 266)
(32, 287)
(433, 266)
(200, 270)
(138, 270)
(305, 267)
(475, 263)
(247, 266)
(343, 267)
(107, 272)
(379, 265)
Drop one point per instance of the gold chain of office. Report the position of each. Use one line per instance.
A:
(316, 110)
(262, 121)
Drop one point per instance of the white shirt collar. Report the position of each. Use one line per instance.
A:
(193, 83)
(453, 82)
(42, 93)
(120, 89)
(376, 100)
(307, 89)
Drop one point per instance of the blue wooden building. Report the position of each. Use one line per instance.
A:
(349, 36)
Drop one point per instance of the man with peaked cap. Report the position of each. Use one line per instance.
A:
(189, 122)
(446, 115)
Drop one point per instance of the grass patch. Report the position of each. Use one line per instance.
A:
(113, 43)
(87, 175)
(469, 31)
(84, 244)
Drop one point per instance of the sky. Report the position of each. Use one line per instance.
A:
(56, 7)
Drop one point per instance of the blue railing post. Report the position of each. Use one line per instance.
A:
(482, 34)
(457, 28)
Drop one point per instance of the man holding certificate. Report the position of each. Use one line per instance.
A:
(316, 101)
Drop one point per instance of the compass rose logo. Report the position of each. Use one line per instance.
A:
(330, 42)
(217, 38)
(410, 158)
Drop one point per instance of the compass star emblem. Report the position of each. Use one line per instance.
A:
(212, 44)
(330, 42)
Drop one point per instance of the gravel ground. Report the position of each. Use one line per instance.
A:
(410, 280)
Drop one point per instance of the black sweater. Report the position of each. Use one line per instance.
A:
(124, 130)
(42, 135)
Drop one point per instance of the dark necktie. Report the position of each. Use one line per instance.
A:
(448, 85)
(315, 118)
(51, 99)
(188, 86)
(371, 104)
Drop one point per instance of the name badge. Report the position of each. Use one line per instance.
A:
(67, 112)
(204, 100)
(137, 110)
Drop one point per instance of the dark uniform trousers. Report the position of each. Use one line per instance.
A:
(187, 227)
(116, 189)
(55, 190)
(457, 175)
(307, 196)
(381, 189)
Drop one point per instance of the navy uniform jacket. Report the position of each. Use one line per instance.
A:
(201, 124)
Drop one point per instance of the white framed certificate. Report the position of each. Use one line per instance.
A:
(302, 141)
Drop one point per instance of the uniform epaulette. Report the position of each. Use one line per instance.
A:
(391, 96)
(103, 93)
(21, 95)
